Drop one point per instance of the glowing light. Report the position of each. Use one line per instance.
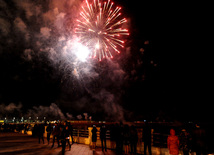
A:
(81, 51)
(97, 46)
(100, 29)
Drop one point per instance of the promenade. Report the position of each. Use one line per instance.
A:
(23, 144)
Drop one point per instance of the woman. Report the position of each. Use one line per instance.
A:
(173, 143)
(94, 137)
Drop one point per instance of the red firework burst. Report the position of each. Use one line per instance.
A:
(100, 28)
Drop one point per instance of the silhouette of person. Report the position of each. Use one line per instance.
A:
(126, 138)
(70, 128)
(67, 136)
(41, 130)
(119, 137)
(103, 136)
(185, 142)
(147, 138)
(49, 129)
(198, 140)
(112, 136)
(26, 128)
(56, 134)
(173, 143)
(65, 133)
(94, 137)
(35, 130)
(133, 139)
(63, 139)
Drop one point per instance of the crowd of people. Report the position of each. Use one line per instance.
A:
(197, 139)
(123, 137)
(61, 133)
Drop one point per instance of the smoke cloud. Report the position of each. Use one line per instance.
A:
(10, 110)
(52, 112)
(49, 112)
(47, 30)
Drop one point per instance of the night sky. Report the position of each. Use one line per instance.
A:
(156, 77)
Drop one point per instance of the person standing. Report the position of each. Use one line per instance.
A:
(133, 139)
(26, 128)
(112, 136)
(147, 138)
(103, 136)
(63, 138)
(35, 130)
(49, 130)
(126, 138)
(185, 142)
(173, 143)
(67, 137)
(119, 137)
(56, 133)
(70, 128)
(199, 140)
(94, 137)
(41, 130)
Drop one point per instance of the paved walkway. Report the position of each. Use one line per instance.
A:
(22, 144)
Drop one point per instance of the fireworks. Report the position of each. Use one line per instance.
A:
(81, 51)
(100, 29)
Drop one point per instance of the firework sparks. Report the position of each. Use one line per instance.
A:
(100, 29)
(81, 51)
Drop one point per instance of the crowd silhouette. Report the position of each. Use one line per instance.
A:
(124, 138)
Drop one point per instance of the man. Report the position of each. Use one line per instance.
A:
(133, 139)
(147, 138)
(41, 130)
(56, 133)
(103, 136)
(65, 138)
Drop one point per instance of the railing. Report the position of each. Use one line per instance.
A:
(81, 134)
(157, 139)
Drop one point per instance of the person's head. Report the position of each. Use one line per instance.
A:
(172, 132)
(94, 126)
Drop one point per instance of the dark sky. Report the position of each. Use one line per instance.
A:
(163, 82)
